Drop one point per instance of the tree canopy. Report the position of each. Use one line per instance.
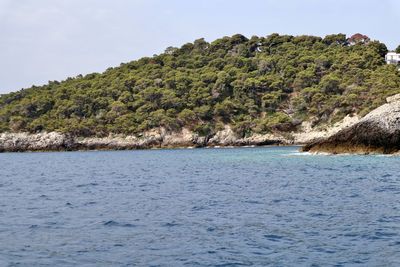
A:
(261, 84)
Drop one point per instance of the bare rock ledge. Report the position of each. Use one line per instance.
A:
(377, 132)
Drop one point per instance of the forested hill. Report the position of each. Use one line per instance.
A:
(261, 84)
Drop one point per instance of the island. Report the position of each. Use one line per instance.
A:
(234, 91)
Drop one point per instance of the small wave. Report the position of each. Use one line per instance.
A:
(385, 234)
(273, 237)
(171, 224)
(386, 155)
(198, 208)
(397, 243)
(86, 185)
(253, 202)
(118, 224)
(298, 153)
(317, 215)
(90, 203)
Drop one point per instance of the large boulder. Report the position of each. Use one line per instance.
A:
(377, 132)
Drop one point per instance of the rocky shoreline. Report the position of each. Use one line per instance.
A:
(378, 132)
(160, 138)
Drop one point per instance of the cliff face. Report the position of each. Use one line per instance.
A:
(377, 132)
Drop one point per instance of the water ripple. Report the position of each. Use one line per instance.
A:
(203, 207)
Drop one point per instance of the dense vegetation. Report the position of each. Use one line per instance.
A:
(260, 84)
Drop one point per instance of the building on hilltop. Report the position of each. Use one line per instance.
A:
(358, 38)
(392, 58)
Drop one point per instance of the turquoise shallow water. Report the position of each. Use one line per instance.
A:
(201, 207)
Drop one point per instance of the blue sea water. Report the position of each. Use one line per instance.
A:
(202, 207)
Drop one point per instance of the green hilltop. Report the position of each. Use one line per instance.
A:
(256, 85)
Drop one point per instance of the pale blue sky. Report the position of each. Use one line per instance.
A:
(45, 40)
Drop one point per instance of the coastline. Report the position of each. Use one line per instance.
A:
(162, 138)
(57, 142)
(157, 139)
(159, 148)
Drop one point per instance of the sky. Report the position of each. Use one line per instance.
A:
(46, 40)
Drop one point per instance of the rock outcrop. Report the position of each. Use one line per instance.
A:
(377, 132)
(308, 134)
(18, 142)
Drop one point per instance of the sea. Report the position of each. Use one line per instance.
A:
(266, 206)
